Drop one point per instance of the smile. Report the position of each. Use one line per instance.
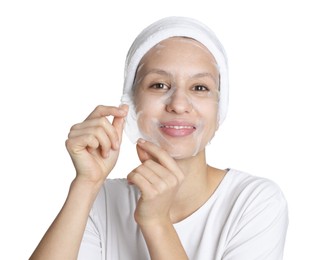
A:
(177, 129)
(178, 126)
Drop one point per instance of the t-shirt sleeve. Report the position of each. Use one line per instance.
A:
(90, 247)
(260, 231)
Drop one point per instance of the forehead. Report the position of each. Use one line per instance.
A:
(180, 53)
(181, 45)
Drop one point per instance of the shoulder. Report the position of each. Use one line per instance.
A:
(258, 220)
(248, 184)
(256, 194)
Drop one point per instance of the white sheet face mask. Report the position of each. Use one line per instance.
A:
(175, 98)
(180, 135)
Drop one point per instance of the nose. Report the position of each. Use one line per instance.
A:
(179, 103)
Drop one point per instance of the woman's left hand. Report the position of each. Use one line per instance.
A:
(158, 179)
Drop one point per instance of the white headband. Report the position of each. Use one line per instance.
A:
(171, 27)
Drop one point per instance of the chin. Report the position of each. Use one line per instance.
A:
(182, 152)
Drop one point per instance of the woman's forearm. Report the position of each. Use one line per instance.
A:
(163, 242)
(63, 238)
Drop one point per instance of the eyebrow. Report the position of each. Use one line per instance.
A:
(196, 75)
(157, 71)
(205, 74)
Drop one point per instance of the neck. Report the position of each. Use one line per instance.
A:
(196, 172)
(193, 165)
(200, 182)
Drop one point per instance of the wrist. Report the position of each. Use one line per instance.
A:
(156, 225)
(86, 186)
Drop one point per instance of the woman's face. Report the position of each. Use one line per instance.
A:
(176, 96)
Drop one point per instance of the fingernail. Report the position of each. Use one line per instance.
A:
(121, 111)
(121, 108)
(141, 141)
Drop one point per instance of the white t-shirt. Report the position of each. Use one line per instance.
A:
(246, 218)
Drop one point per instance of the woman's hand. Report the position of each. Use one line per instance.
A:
(95, 143)
(158, 178)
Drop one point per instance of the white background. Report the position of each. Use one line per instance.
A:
(59, 59)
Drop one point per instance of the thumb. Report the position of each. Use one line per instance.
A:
(118, 123)
(142, 154)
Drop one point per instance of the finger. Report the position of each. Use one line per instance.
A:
(142, 184)
(147, 189)
(159, 176)
(118, 122)
(79, 143)
(94, 125)
(157, 169)
(146, 173)
(99, 133)
(143, 155)
(102, 111)
(148, 149)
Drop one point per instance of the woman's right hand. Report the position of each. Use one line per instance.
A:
(95, 143)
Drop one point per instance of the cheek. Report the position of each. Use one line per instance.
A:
(209, 115)
(147, 111)
(212, 127)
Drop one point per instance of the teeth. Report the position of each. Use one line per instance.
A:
(178, 126)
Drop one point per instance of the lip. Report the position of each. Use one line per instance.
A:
(177, 128)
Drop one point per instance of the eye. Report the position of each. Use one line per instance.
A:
(200, 88)
(159, 86)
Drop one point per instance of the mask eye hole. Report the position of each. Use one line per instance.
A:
(200, 88)
(159, 86)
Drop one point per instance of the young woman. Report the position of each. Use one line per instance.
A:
(173, 205)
